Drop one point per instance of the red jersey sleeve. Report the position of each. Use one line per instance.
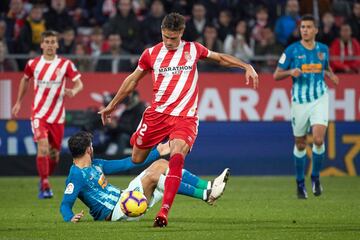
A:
(72, 72)
(28, 71)
(144, 61)
(203, 52)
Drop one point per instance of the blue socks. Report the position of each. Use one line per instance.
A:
(299, 160)
(193, 180)
(188, 190)
(190, 185)
(318, 157)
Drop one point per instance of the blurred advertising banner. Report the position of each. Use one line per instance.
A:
(248, 148)
(223, 96)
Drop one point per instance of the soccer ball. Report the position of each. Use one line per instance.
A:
(133, 203)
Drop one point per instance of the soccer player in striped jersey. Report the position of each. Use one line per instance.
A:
(87, 182)
(173, 111)
(307, 62)
(49, 73)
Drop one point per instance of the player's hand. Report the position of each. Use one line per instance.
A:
(296, 72)
(106, 115)
(69, 92)
(76, 218)
(163, 148)
(334, 78)
(16, 108)
(251, 73)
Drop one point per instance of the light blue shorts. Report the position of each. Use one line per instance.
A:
(305, 115)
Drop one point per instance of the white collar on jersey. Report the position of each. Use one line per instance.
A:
(181, 44)
(48, 61)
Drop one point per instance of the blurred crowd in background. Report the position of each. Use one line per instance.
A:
(109, 35)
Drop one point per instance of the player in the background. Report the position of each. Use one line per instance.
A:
(87, 182)
(173, 111)
(307, 62)
(49, 73)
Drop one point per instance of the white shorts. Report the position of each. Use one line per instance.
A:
(135, 185)
(308, 114)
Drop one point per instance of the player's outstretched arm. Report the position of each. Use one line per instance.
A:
(125, 89)
(280, 73)
(24, 83)
(227, 60)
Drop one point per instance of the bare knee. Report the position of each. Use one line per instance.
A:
(43, 148)
(300, 146)
(179, 146)
(318, 141)
(151, 178)
(158, 166)
(154, 176)
(300, 143)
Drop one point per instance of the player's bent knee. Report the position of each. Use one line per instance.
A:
(159, 166)
(179, 146)
(300, 146)
(43, 147)
(151, 178)
(43, 150)
(154, 177)
(161, 163)
(318, 141)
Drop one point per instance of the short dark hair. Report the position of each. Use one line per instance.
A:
(79, 142)
(173, 22)
(308, 17)
(48, 33)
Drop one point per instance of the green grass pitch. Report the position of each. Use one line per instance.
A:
(251, 208)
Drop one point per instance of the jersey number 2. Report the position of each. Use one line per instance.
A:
(143, 129)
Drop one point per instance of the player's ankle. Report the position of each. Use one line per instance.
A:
(45, 183)
(164, 210)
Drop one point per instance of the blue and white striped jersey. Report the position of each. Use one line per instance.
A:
(92, 188)
(310, 85)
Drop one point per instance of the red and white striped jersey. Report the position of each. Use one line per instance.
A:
(174, 76)
(49, 85)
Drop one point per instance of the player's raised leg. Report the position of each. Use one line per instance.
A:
(299, 156)
(318, 157)
(196, 187)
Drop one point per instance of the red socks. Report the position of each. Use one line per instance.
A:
(172, 182)
(42, 164)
